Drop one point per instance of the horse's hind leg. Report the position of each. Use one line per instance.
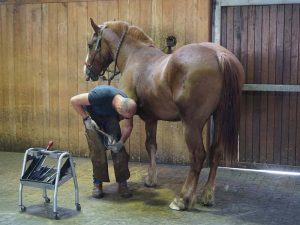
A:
(193, 137)
(151, 146)
(215, 154)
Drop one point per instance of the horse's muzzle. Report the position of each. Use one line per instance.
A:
(90, 75)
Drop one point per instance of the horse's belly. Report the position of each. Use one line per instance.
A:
(158, 111)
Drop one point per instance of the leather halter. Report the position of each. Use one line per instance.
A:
(115, 72)
(89, 67)
(98, 51)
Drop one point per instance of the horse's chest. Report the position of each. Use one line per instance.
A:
(144, 106)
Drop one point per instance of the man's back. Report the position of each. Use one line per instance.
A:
(101, 98)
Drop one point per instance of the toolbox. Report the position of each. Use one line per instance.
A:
(47, 169)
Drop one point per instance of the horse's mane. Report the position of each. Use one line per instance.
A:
(134, 32)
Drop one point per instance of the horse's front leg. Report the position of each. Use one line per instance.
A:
(151, 146)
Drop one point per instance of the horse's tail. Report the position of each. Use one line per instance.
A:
(227, 114)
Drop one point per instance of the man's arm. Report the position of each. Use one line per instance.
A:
(126, 129)
(78, 102)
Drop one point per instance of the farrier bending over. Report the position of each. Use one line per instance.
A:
(103, 108)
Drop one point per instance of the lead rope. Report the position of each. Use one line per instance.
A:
(115, 72)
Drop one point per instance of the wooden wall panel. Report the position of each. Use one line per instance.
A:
(249, 79)
(43, 47)
(266, 40)
(292, 132)
(278, 80)
(9, 43)
(27, 75)
(179, 22)
(2, 68)
(286, 78)
(37, 117)
(243, 59)
(53, 73)
(271, 79)
(73, 123)
(156, 28)
(22, 111)
(297, 149)
(44, 76)
(203, 21)
(62, 20)
(257, 79)
(264, 79)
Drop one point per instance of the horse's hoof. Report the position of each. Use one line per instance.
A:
(207, 197)
(178, 204)
(207, 203)
(148, 183)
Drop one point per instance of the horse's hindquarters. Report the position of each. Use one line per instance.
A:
(195, 80)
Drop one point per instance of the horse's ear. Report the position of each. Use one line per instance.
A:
(95, 26)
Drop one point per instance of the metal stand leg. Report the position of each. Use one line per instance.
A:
(22, 207)
(47, 200)
(55, 203)
(78, 207)
(55, 192)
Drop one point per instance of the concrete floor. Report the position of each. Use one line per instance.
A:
(242, 197)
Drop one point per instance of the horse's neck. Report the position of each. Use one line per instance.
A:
(140, 55)
(128, 49)
(136, 62)
(113, 41)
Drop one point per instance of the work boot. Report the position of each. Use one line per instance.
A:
(98, 191)
(124, 190)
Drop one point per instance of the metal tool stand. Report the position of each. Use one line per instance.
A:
(37, 174)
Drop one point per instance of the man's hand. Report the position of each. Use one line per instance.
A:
(89, 123)
(115, 148)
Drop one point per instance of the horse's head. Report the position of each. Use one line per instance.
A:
(99, 56)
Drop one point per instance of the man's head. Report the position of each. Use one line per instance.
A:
(126, 107)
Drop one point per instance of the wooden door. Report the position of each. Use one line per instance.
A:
(266, 40)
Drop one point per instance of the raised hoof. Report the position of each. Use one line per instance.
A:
(178, 204)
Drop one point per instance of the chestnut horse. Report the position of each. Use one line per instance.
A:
(193, 83)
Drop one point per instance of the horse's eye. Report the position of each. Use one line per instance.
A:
(90, 46)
